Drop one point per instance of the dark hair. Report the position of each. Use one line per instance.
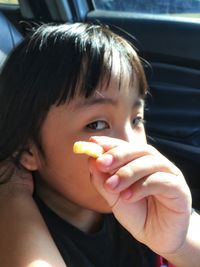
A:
(52, 66)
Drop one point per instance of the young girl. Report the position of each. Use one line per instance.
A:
(83, 82)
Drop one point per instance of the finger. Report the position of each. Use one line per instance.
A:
(169, 189)
(136, 170)
(123, 154)
(12, 175)
(107, 142)
(7, 168)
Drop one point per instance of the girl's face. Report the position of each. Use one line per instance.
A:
(111, 112)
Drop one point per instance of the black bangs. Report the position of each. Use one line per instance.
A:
(80, 57)
(71, 59)
(91, 61)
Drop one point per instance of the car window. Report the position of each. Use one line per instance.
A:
(189, 8)
(9, 2)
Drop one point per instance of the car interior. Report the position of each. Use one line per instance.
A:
(170, 47)
(9, 37)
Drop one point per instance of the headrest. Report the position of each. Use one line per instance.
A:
(9, 38)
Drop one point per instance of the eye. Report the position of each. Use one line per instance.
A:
(98, 125)
(137, 121)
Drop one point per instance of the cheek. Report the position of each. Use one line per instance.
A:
(66, 173)
(76, 167)
(71, 179)
(67, 167)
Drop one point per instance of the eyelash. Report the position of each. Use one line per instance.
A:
(90, 125)
(136, 122)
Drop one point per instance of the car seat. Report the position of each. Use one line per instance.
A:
(9, 38)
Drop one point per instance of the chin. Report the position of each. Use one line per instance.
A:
(102, 208)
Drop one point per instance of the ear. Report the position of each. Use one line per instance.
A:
(29, 158)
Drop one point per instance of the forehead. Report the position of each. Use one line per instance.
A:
(117, 81)
(113, 91)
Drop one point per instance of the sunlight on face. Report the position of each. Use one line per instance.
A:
(111, 111)
(39, 263)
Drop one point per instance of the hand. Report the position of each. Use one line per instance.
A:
(147, 194)
(14, 178)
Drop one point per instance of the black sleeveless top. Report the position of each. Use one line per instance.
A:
(111, 246)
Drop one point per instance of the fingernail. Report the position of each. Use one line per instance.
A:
(112, 182)
(106, 159)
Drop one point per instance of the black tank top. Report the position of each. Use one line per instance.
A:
(111, 246)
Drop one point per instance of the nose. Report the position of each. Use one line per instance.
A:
(125, 132)
(130, 134)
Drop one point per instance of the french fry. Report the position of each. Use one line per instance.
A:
(88, 148)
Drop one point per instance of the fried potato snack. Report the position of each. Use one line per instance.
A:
(88, 148)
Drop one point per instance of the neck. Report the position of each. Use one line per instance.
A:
(84, 219)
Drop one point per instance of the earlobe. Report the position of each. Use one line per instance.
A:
(28, 160)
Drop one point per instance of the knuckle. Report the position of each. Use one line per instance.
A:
(125, 172)
(118, 152)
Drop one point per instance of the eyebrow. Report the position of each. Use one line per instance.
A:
(104, 100)
(96, 100)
